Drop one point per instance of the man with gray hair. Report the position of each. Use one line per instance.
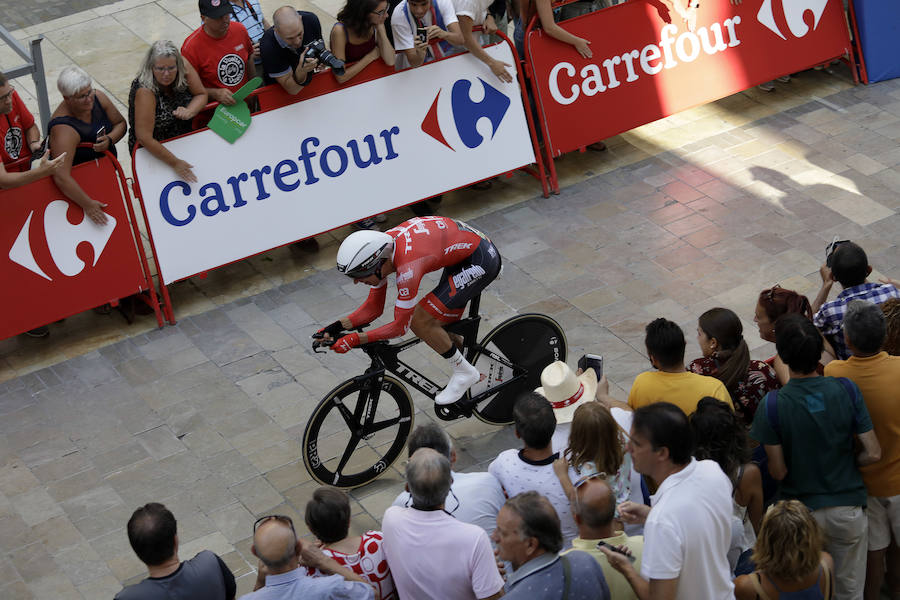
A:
(474, 498)
(283, 559)
(431, 554)
(877, 375)
(528, 535)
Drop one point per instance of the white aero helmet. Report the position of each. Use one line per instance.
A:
(363, 253)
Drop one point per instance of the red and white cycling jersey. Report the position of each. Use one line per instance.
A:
(421, 245)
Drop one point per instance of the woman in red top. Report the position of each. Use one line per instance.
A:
(360, 37)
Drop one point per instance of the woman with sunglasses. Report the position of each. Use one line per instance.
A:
(165, 96)
(360, 37)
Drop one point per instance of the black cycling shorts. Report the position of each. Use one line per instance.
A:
(462, 282)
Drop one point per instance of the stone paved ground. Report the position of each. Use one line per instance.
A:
(702, 209)
(17, 14)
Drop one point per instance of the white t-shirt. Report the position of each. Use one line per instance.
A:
(688, 532)
(433, 555)
(480, 499)
(517, 476)
(403, 23)
(474, 9)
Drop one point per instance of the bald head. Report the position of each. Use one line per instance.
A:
(289, 26)
(275, 544)
(595, 506)
(428, 477)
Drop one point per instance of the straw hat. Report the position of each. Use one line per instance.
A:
(565, 390)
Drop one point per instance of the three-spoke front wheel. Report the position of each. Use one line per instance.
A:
(357, 431)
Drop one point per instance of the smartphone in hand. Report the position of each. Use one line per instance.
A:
(611, 548)
(422, 34)
(101, 132)
(591, 361)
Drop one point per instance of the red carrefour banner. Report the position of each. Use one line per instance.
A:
(55, 261)
(648, 64)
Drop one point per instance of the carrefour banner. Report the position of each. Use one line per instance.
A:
(331, 160)
(649, 63)
(56, 262)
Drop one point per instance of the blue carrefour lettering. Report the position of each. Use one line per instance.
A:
(388, 144)
(342, 159)
(206, 206)
(374, 159)
(235, 183)
(164, 204)
(286, 168)
(215, 197)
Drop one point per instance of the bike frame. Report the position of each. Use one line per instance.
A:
(385, 358)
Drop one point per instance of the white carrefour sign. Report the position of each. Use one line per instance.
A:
(332, 160)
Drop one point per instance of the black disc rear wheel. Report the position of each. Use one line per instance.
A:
(339, 450)
(530, 342)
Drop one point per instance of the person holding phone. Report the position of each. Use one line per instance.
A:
(85, 116)
(425, 30)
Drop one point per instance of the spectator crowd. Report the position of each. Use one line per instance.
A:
(717, 479)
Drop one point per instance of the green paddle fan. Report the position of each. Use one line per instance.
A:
(231, 122)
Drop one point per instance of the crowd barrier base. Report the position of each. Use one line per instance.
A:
(57, 263)
(450, 133)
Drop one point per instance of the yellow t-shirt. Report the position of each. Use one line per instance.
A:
(619, 588)
(878, 378)
(681, 389)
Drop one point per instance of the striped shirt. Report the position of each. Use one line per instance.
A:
(250, 16)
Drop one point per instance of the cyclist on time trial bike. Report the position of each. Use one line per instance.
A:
(412, 249)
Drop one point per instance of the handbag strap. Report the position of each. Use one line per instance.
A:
(567, 576)
(760, 592)
(827, 572)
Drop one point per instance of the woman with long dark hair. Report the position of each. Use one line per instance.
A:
(359, 36)
(727, 358)
(721, 437)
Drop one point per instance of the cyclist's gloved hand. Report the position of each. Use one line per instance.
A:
(332, 330)
(346, 343)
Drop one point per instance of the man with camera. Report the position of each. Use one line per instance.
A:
(287, 56)
(425, 30)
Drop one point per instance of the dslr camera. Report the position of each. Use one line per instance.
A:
(317, 51)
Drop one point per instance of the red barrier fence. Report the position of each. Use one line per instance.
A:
(647, 64)
(56, 262)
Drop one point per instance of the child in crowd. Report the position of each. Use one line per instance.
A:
(328, 518)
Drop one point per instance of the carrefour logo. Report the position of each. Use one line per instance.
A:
(467, 113)
(62, 239)
(791, 13)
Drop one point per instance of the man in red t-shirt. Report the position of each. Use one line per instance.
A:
(220, 51)
(21, 137)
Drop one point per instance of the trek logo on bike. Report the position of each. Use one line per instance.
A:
(467, 113)
(775, 14)
(465, 277)
(62, 239)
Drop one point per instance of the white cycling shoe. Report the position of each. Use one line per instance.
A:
(460, 381)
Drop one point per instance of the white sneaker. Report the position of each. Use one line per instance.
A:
(459, 382)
